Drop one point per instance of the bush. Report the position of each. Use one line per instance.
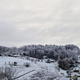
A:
(7, 73)
(27, 64)
(64, 64)
(67, 63)
(15, 63)
(43, 75)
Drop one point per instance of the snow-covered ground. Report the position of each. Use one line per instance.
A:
(39, 66)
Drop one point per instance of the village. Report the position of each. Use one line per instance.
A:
(49, 65)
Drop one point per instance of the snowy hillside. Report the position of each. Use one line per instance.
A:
(39, 70)
(35, 67)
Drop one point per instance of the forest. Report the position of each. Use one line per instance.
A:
(65, 55)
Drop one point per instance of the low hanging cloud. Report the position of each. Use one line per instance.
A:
(25, 22)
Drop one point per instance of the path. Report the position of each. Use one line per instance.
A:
(24, 74)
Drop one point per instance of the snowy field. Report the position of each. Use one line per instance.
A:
(48, 68)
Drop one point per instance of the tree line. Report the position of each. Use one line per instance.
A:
(63, 54)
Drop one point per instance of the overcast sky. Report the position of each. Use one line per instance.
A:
(24, 22)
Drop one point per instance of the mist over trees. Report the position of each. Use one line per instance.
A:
(65, 55)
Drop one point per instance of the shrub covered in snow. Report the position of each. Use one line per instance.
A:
(27, 64)
(43, 75)
(15, 64)
(7, 73)
(67, 63)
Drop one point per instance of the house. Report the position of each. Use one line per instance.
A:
(10, 55)
(50, 61)
(24, 53)
(45, 57)
(15, 55)
(0, 54)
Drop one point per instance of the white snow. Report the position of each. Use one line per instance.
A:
(21, 69)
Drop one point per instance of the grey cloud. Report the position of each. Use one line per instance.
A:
(32, 22)
(7, 31)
